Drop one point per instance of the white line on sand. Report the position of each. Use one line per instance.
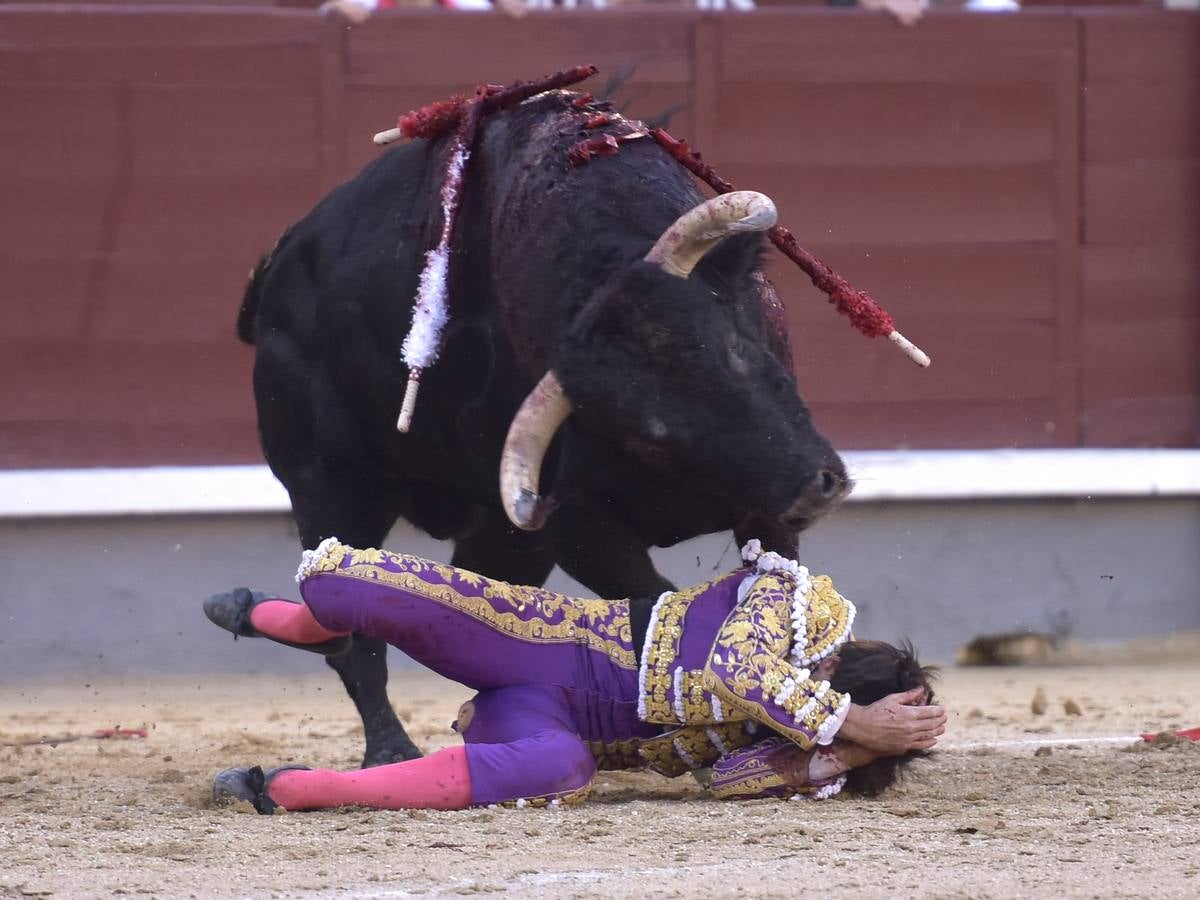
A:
(1041, 742)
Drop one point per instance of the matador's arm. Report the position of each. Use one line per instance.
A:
(748, 668)
(777, 768)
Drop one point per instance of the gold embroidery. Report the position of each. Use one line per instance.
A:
(753, 774)
(730, 736)
(570, 798)
(747, 667)
(661, 652)
(762, 783)
(663, 649)
(697, 703)
(828, 617)
(325, 558)
(825, 707)
(694, 748)
(368, 555)
(751, 788)
(662, 757)
(662, 752)
(750, 776)
(600, 624)
(753, 641)
(616, 755)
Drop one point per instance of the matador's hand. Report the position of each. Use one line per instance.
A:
(895, 724)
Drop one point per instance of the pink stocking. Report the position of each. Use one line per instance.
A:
(288, 621)
(439, 781)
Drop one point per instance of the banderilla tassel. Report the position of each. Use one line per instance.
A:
(864, 313)
(430, 310)
(436, 119)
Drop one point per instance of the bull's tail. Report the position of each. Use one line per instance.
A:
(248, 312)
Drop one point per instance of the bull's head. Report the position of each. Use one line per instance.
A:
(671, 361)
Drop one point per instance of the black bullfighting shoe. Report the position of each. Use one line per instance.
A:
(231, 611)
(248, 784)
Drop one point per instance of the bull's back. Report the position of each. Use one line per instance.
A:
(328, 306)
(366, 229)
(558, 230)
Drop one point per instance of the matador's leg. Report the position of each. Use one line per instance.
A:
(523, 743)
(248, 613)
(441, 780)
(482, 633)
(521, 746)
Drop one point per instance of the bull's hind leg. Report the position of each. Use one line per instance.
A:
(352, 518)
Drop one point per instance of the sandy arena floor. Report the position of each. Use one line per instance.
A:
(1012, 806)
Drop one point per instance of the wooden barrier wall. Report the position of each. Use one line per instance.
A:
(1019, 191)
(1140, 241)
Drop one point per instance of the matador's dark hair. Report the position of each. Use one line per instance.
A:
(869, 671)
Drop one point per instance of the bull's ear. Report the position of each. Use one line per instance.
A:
(595, 344)
(732, 262)
(598, 317)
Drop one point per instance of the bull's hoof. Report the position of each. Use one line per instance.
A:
(231, 611)
(400, 750)
(249, 784)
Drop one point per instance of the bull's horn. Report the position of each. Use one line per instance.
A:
(698, 230)
(532, 429)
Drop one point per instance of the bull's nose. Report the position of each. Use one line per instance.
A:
(829, 485)
(823, 492)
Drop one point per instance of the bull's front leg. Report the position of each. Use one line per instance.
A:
(599, 549)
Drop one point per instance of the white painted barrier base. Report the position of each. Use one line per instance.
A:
(880, 476)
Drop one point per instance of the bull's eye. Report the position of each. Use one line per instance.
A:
(737, 362)
(656, 428)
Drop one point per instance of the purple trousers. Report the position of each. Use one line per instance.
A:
(553, 673)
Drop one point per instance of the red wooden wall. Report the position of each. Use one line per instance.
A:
(1019, 191)
(1140, 242)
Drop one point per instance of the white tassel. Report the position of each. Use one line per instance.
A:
(429, 313)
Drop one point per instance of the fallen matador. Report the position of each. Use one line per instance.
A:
(750, 676)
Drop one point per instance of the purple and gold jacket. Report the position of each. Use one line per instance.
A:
(742, 648)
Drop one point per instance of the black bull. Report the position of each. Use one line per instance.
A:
(684, 414)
